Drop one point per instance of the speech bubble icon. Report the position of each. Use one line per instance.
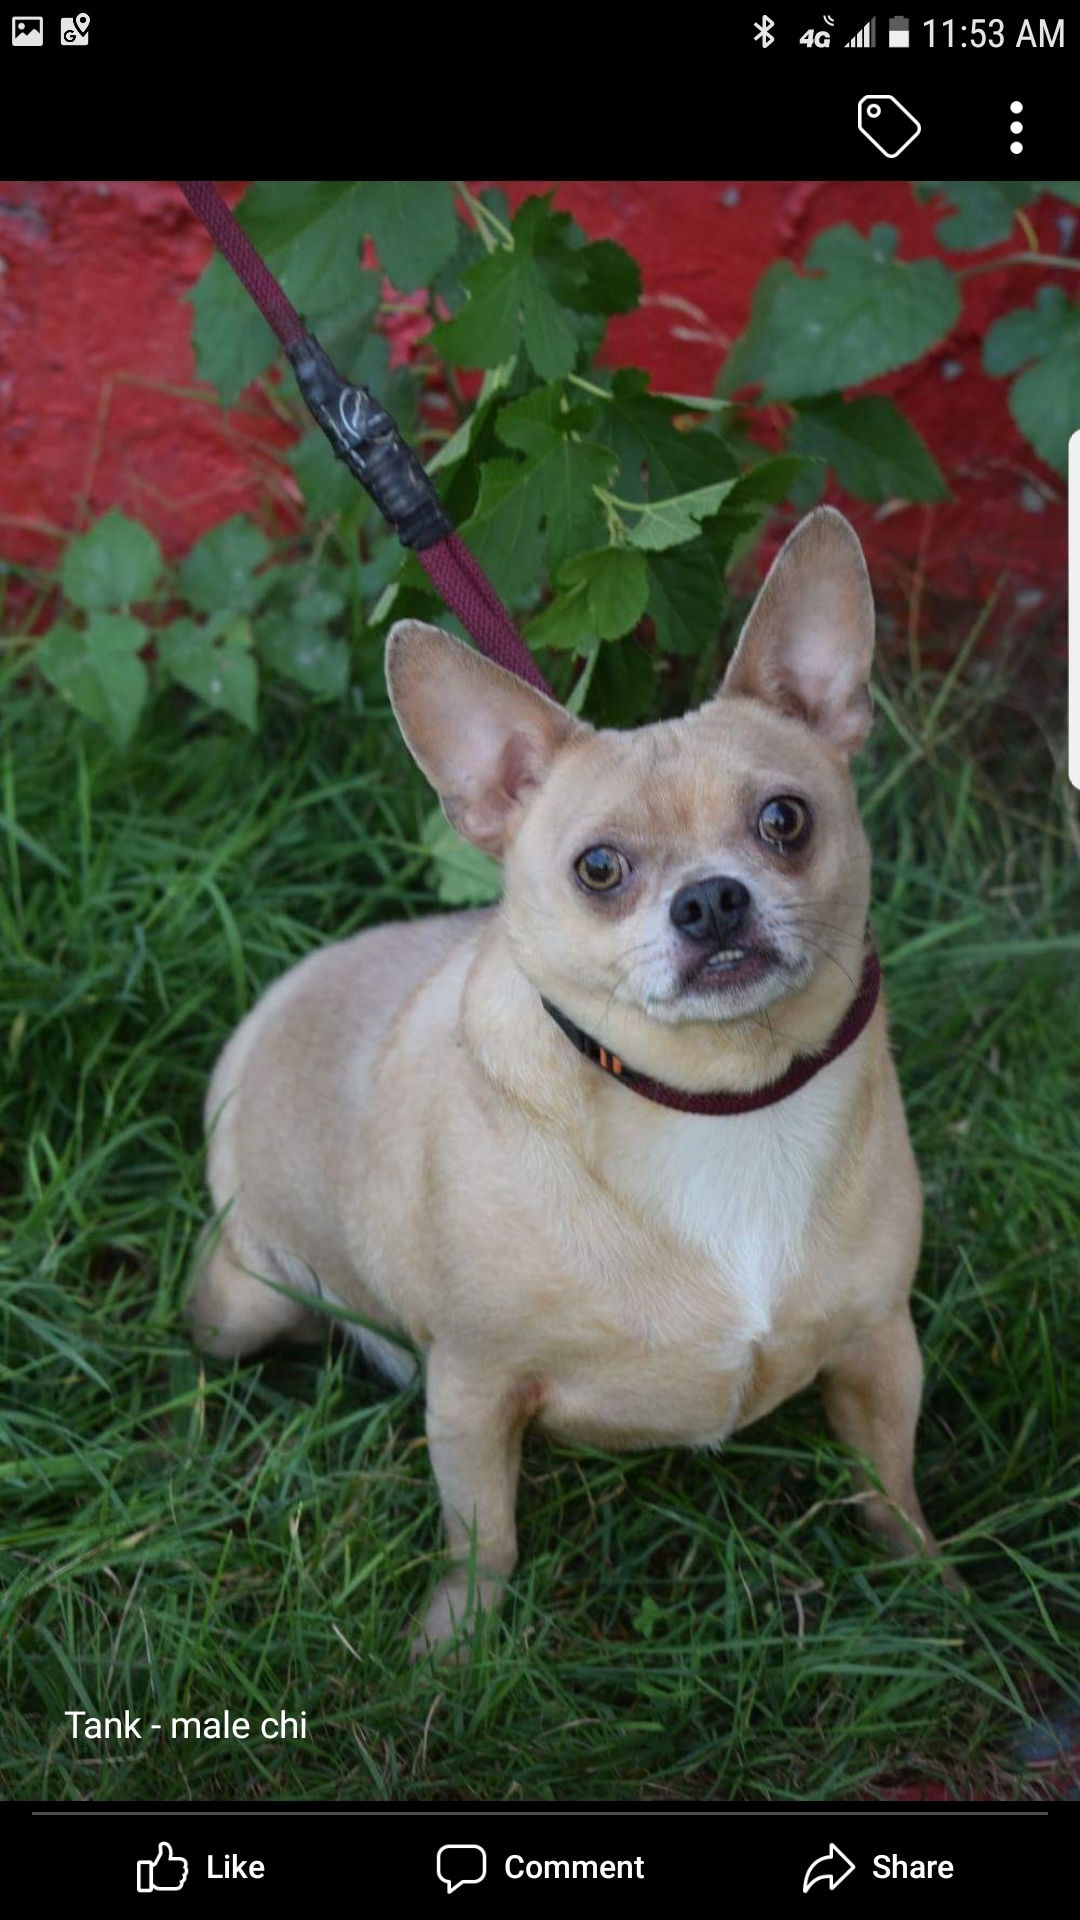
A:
(466, 1869)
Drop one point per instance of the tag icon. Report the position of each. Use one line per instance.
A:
(75, 32)
(886, 124)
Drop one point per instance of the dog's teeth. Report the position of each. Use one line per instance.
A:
(720, 959)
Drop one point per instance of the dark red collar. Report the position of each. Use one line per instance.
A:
(803, 1067)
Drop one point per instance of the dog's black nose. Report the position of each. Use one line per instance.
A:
(711, 910)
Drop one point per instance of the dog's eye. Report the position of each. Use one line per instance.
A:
(601, 869)
(784, 822)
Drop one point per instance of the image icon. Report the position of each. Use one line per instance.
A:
(27, 30)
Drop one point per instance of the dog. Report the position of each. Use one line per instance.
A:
(598, 1152)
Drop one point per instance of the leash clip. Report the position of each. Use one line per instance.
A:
(363, 436)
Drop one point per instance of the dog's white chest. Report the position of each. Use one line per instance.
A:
(738, 1191)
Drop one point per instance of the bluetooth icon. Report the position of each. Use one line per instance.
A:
(762, 31)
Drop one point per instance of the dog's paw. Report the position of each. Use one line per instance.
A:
(453, 1615)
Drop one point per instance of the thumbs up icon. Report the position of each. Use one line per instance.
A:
(165, 1874)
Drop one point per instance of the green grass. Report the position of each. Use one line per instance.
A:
(175, 1540)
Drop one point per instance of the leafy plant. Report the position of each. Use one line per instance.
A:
(608, 515)
(855, 313)
(106, 661)
(605, 513)
(1042, 344)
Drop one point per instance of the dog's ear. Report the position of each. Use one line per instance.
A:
(484, 738)
(808, 643)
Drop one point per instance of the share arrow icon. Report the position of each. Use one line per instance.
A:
(822, 1869)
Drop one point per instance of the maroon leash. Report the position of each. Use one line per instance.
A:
(364, 436)
(366, 439)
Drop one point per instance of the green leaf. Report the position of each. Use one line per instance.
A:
(545, 503)
(117, 562)
(496, 380)
(607, 279)
(504, 532)
(747, 363)
(730, 532)
(766, 482)
(985, 209)
(534, 423)
(656, 458)
(413, 225)
(1045, 400)
(383, 565)
(563, 469)
(359, 353)
(564, 623)
(512, 297)
(309, 233)
(622, 690)
(672, 522)
(551, 341)
(616, 584)
(304, 653)
(648, 1617)
(556, 308)
(219, 572)
(1064, 189)
(857, 314)
(99, 671)
(347, 333)
(1029, 332)
(809, 489)
(314, 590)
(875, 453)
(487, 330)
(232, 341)
(213, 660)
(685, 597)
(464, 877)
(469, 250)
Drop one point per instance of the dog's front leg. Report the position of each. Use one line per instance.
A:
(475, 1421)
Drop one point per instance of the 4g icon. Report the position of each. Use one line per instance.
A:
(817, 39)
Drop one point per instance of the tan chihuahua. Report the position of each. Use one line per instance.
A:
(626, 1154)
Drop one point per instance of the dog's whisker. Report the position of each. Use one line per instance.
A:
(821, 948)
(791, 918)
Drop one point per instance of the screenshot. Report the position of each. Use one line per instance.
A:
(539, 987)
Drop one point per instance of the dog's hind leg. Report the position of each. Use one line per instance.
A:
(232, 1311)
(871, 1392)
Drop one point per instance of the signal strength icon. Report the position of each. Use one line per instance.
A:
(866, 36)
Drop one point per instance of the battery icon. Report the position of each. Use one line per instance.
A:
(899, 35)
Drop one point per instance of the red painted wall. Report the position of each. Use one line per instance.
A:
(98, 405)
